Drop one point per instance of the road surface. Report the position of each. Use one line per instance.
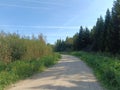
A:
(69, 74)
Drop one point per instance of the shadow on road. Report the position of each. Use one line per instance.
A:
(69, 74)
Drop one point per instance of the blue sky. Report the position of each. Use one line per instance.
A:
(55, 19)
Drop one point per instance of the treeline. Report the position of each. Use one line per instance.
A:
(103, 37)
(14, 47)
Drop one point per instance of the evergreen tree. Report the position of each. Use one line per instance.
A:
(107, 32)
(60, 46)
(81, 38)
(87, 37)
(116, 27)
(98, 35)
(69, 44)
(76, 42)
(104, 36)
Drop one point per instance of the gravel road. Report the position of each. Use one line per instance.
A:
(69, 74)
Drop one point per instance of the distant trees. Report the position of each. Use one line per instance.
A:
(79, 41)
(104, 36)
(62, 45)
(69, 44)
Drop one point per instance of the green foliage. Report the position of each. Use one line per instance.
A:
(7, 78)
(61, 45)
(106, 68)
(98, 35)
(23, 68)
(106, 33)
(69, 44)
(107, 45)
(79, 41)
(2, 66)
(75, 42)
(103, 37)
(20, 57)
(13, 47)
(17, 48)
(116, 27)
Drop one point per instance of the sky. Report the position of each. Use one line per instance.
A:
(55, 19)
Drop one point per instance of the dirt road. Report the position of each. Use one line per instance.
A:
(69, 74)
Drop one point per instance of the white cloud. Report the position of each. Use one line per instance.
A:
(21, 6)
(42, 27)
(43, 2)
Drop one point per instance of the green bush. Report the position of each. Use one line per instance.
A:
(21, 68)
(106, 68)
(2, 66)
(18, 49)
(7, 78)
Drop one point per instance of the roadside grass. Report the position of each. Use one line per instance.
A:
(21, 69)
(105, 67)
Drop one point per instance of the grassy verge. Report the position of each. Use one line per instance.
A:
(22, 69)
(107, 69)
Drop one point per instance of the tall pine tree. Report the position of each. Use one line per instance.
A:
(108, 32)
(116, 27)
(98, 35)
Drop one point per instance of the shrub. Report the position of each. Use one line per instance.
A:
(2, 66)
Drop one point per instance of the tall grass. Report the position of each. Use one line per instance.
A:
(13, 47)
(106, 68)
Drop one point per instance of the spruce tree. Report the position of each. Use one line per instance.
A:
(107, 32)
(116, 27)
(98, 35)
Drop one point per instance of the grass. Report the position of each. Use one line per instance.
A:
(106, 68)
(22, 69)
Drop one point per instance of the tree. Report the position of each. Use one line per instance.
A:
(104, 36)
(76, 42)
(98, 35)
(60, 46)
(81, 38)
(107, 32)
(69, 44)
(116, 27)
(87, 37)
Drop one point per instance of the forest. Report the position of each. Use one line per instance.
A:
(103, 37)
